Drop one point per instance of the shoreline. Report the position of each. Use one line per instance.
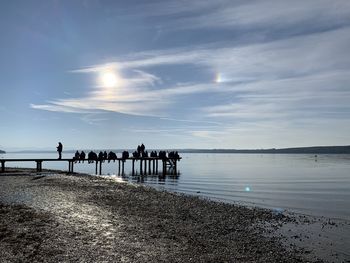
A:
(181, 226)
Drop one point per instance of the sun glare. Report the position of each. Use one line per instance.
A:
(109, 79)
(218, 78)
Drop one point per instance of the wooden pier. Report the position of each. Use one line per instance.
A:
(150, 162)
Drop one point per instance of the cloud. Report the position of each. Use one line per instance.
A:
(93, 119)
(317, 96)
(192, 121)
(208, 134)
(277, 59)
(302, 77)
(130, 96)
(58, 108)
(266, 16)
(138, 94)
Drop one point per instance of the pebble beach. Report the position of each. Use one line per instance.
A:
(53, 217)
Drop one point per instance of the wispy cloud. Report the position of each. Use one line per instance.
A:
(271, 15)
(277, 59)
(93, 119)
(301, 77)
(314, 96)
(192, 121)
(58, 108)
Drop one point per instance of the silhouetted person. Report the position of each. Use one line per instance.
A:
(100, 156)
(125, 155)
(82, 156)
(162, 154)
(76, 156)
(92, 156)
(139, 149)
(105, 155)
(59, 150)
(142, 148)
(112, 156)
(173, 155)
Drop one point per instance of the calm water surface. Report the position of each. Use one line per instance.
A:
(296, 182)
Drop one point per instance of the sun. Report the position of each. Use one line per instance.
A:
(109, 79)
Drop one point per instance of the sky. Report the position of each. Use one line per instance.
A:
(247, 74)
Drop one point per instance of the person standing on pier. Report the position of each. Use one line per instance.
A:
(59, 150)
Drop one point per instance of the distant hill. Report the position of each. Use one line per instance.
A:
(296, 150)
(2, 151)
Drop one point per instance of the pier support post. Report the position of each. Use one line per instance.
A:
(164, 166)
(2, 166)
(154, 165)
(100, 167)
(149, 166)
(157, 166)
(38, 166)
(118, 167)
(123, 167)
(70, 166)
(145, 166)
(133, 166)
(141, 166)
(96, 166)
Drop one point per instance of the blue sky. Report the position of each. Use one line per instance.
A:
(174, 74)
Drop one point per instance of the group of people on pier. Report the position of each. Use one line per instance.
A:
(92, 156)
(112, 156)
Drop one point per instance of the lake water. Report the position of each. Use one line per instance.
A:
(296, 182)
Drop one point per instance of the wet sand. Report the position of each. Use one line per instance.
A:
(54, 217)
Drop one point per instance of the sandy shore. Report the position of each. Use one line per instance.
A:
(58, 218)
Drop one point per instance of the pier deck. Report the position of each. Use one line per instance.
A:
(151, 161)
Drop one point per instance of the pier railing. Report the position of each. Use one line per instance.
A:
(150, 162)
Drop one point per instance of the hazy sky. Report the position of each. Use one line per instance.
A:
(174, 74)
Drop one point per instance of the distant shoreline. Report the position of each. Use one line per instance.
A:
(294, 150)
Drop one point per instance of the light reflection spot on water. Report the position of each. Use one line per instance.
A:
(278, 210)
(247, 189)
